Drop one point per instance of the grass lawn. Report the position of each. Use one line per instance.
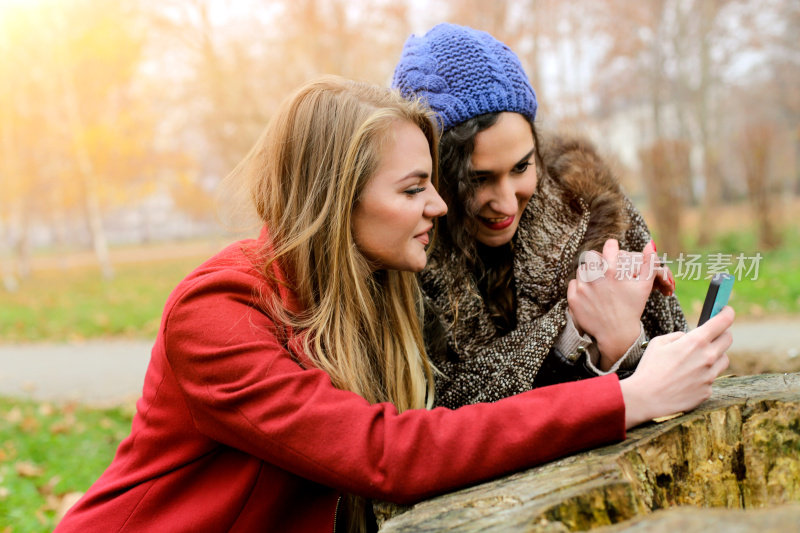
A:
(49, 452)
(774, 291)
(76, 303)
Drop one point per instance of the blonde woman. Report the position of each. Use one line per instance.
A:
(289, 370)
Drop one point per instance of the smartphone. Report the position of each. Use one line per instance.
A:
(719, 290)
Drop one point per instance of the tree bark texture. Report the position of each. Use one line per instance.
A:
(738, 452)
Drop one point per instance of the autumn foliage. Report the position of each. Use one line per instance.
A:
(109, 108)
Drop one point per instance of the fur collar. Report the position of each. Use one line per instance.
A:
(588, 185)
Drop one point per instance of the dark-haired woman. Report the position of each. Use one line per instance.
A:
(508, 311)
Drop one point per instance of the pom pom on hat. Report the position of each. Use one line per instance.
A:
(462, 73)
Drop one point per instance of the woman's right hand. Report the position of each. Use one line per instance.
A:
(608, 295)
(676, 371)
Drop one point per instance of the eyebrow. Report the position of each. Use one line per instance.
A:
(415, 174)
(524, 159)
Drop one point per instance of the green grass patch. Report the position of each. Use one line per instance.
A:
(49, 451)
(77, 303)
(774, 290)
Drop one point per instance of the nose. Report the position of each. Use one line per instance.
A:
(503, 197)
(435, 206)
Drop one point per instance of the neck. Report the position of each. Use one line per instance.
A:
(495, 276)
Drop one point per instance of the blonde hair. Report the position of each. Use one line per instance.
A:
(305, 175)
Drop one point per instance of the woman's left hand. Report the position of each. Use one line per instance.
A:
(608, 296)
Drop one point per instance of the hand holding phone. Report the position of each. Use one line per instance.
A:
(719, 291)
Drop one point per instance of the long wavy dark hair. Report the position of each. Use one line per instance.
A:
(492, 267)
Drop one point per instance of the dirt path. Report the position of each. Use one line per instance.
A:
(94, 372)
(105, 372)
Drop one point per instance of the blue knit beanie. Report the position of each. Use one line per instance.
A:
(463, 73)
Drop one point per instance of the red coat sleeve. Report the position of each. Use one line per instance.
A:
(244, 390)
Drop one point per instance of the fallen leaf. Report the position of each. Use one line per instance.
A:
(64, 425)
(9, 449)
(49, 488)
(76, 337)
(101, 319)
(4, 493)
(45, 409)
(59, 428)
(661, 419)
(14, 416)
(51, 503)
(67, 500)
(30, 424)
(28, 469)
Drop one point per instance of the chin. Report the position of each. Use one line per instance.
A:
(417, 266)
(494, 242)
(412, 265)
(418, 263)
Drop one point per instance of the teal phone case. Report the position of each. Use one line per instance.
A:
(719, 291)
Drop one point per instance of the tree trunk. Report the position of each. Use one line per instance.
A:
(711, 194)
(10, 281)
(657, 77)
(738, 450)
(797, 161)
(10, 169)
(665, 172)
(755, 148)
(711, 177)
(86, 173)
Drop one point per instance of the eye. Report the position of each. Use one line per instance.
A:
(414, 190)
(479, 179)
(522, 167)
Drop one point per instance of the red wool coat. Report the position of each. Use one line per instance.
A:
(231, 434)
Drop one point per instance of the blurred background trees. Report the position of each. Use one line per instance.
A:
(118, 118)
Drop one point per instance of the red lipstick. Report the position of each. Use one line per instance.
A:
(502, 224)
